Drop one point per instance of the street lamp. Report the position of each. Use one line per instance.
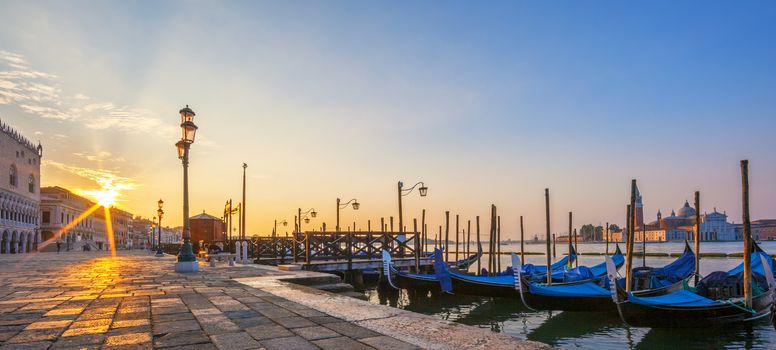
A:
(355, 204)
(153, 235)
(275, 230)
(310, 211)
(160, 212)
(187, 262)
(423, 190)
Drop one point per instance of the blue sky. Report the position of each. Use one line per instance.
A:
(488, 102)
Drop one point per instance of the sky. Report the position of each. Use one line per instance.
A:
(485, 102)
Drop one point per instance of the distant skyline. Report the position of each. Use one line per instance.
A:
(486, 102)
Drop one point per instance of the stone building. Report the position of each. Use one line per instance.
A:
(19, 192)
(207, 228)
(121, 222)
(62, 219)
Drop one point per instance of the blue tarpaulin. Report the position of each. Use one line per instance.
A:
(678, 298)
(586, 289)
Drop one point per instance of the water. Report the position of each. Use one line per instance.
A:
(585, 330)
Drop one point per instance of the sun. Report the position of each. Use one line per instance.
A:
(105, 197)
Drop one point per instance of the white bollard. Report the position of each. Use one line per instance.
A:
(245, 259)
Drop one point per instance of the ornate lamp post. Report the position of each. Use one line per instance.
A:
(310, 211)
(423, 190)
(160, 213)
(153, 234)
(356, 204)
(187, 262)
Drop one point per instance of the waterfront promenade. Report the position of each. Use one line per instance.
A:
(135, 301)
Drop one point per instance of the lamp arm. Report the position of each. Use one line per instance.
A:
(409, 190)
(343, 206)
(309, 210)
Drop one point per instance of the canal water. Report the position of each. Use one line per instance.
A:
(586, 330)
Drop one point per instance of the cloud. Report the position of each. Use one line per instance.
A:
(38, 93)
(100, 156)
(107, 180)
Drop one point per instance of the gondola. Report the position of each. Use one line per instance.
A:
(715, 301)
(593, 294)
(504, 285)
(430, 281)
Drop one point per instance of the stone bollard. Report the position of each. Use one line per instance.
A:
(212, 262)
(231, 261)
(245, 259)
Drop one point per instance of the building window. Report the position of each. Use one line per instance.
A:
(31, 184)
(12, 178)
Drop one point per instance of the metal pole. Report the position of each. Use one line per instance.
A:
(401, 222)
(338, 209)
(242, 206)
(186, 253)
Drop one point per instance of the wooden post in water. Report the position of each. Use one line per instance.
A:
(607, 238)
(457, 236)
(369, 225)
(491, 256)
(569, 236)
(631, 231)
(547, 216)
(417, 244)
(423, 228)
(498, 243)
(576, 248)
(440, 238)
(391, 219)
(522, 238)
(643, 245)
(697, 236)
(554, 245)
(478, 244)
(747, 233)
(468, 238)
(447, 235)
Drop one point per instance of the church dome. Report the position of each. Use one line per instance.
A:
(686, 211)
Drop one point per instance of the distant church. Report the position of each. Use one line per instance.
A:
(680, 225)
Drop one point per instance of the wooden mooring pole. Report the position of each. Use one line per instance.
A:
(576, 248)
(631, 234)
(697, 236)
(547, 218)
(457, 236)
(607, 238)
(747, 233)
(417, 244)
(447, 236)
(498, 243)
(423, 228)
(569, 237)
(468, 238)
(479, 269)
(522, 241)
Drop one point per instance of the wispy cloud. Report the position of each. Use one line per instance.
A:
(105, 179)
(38, 93)
(101, 156)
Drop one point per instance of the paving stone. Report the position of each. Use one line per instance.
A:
(315, 332)
(35, 335)
(176, 326)
(351, 330)
(324, 319)
(252, 322)
(293, 322)
(387, 343)
(234, 341)
(39, 345)
(181, 338)
(81, 340)
(128, 339)
(173, 317)
(241, 314)
(341, 343)
(205, 346)
(268, 331)
(287, 343)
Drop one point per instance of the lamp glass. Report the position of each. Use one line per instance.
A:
(285, 223)
(188, 131)
(313, 213)
(306, 220)
(356, 205)
(160, 203)
(181, 149)
(423, 191)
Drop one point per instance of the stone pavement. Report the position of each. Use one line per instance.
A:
(88, 300)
